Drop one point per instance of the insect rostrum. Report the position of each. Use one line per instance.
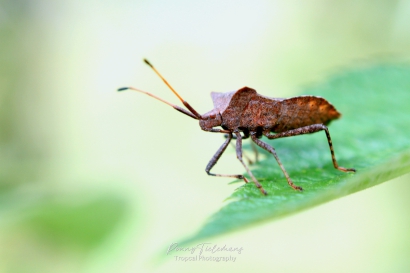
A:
(245, 113)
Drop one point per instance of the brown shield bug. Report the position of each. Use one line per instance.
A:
(244, 113)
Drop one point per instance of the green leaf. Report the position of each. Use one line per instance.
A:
(372, 136)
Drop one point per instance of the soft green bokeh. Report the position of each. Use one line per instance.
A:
(71, 146)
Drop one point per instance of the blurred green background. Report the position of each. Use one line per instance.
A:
(92, 180)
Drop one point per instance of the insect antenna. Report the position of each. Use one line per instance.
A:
(192, 110)
(176, 107)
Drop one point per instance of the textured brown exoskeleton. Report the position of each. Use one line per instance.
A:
(245, 111)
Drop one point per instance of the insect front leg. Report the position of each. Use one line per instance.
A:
(271, 150)
(309, 130)
(216, 157)
(239, 156)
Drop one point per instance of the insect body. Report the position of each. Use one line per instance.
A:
(245, 113)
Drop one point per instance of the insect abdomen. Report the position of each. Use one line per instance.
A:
(303, 111)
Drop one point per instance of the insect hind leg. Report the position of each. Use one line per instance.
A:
(309, 130)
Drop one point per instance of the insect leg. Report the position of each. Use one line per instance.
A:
(216, 157)
(250, 162)
(239, 156)
(271, 150)
(308, 130)
(255, 150)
